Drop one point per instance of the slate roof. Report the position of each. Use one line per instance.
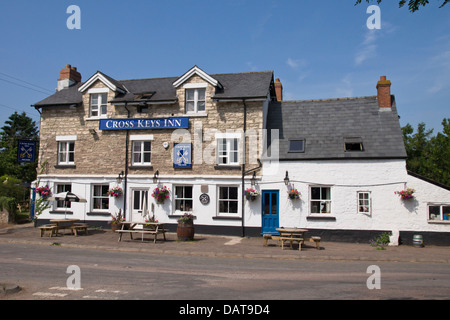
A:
(235, 85)
(324, 124)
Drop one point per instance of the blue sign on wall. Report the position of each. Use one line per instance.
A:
(26, 150)
(154, 123)
(182, 155)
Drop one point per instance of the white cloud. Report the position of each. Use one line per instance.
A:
(345, 88)
(296, 63)
(368, 47)
(440, 64)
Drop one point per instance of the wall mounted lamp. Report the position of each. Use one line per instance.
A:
(286, 179)
(155, 176)
(253, 180)
(119, 177)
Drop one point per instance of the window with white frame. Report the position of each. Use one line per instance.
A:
(183, 198)
(439, 212)
(195, 100)
(320, 200)
(66, 152)
(364, 202)
(228, 151)
(142, 151)
(98, 105)
(100, 198)
(228, 200)
(60, 187)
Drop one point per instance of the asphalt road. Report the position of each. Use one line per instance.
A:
(42, 273)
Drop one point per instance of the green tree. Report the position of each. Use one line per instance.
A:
(413, 5)
(19, 126)
(428, 155)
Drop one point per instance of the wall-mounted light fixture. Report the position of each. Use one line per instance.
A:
(286, 179)
(119, 177)
(155, 176)
(92, 131)
(253, 180)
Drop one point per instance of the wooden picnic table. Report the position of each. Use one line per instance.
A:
(152, 228)
(62, 224)
(292, 235)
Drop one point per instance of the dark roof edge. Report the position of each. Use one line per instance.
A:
(438, 184)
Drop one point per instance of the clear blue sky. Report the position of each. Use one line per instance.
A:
(319, 49)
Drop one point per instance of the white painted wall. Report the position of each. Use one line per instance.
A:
(346, 177)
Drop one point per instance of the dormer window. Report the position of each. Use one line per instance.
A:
(98, 103)
(195, 100)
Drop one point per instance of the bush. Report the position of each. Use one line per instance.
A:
(8, 204)
(381, 241)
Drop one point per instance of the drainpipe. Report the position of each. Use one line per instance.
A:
(126, 167)
(243, 168)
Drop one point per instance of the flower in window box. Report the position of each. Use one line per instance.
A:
(44, 192)
(294, 194)
(161, 194)
(251, 194)
(115, 192)
(406, 194)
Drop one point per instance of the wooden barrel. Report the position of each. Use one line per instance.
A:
(185, 231)
(418, 241)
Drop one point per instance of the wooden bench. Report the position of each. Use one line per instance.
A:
(316, 240)
(77, 227)
(48, 228)
(142, 232)
(291, 241)
(268, 237)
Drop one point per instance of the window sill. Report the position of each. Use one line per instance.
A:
(61, 212)
(321, 217)
(65, 166)
(194, 115)
(227, 167)
(226, 218)
(146, 167)
(98, 213)
(438, 221)
(95, 118)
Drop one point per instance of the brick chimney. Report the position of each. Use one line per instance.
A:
(384, 92)
(68, 77)
(278, 90)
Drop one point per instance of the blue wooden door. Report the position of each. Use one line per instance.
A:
(270, 214)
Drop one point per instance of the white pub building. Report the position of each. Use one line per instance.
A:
(234, 154)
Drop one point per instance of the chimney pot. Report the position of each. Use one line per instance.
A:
(278, 90)
(384, 92)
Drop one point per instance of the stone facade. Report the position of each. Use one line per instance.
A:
(103, 152)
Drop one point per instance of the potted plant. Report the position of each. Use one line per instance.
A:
(160, 194)
(151, 219)
(116, 221)
(115, 192)
(293, 194)
(185, 228)
(251, 194)
(406, 194)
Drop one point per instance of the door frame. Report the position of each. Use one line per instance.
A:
(270, 191)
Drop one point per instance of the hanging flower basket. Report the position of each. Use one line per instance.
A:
(294, 194)
(44, 192)
(406, 194)
(115, 192)
(251, 194)
(161, 194)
